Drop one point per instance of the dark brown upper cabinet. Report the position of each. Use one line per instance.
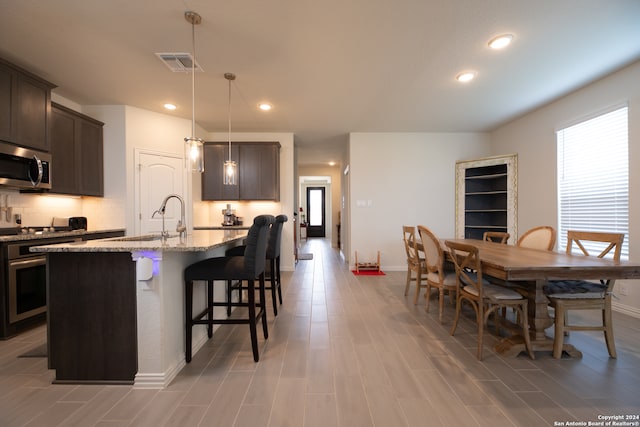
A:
(25, 108)
(6, 106)
(77, 153)
(258, 171)
(213, 187)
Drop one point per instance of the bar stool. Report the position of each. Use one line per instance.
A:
(273, 256)
(248, 267)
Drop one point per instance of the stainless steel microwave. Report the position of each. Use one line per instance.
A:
(24, 168)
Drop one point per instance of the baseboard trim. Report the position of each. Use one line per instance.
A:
(159, 380)
(626, 309)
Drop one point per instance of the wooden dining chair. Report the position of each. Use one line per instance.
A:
(484, 297)
(416, 267)
(566, 295)
(437, 277)
(496, 236)
(543, 238)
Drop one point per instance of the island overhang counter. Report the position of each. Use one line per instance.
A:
(116, 306)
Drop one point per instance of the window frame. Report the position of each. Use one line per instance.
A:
(584, 199)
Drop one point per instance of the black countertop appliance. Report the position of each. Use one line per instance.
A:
(78, 223)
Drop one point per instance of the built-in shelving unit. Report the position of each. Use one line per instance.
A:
(486, 196)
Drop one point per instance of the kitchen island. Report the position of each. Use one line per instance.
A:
(116, 306)
(23, 282)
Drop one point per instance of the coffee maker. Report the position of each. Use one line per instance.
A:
(229, 216)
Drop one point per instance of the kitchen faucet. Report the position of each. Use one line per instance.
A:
(181, 227)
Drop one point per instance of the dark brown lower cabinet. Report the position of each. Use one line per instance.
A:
(92, 333)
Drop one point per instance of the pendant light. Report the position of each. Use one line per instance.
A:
(230, 167)
(194, 146)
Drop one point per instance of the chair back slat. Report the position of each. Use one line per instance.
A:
(592, 242)
(496, 236)
(410, 244)
(466, 259)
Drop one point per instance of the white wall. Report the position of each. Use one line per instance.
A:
(333, 192)
(160, 133)
(401, 179)
(111, 210)
(127, 129)
(533, 138)
(209, 213)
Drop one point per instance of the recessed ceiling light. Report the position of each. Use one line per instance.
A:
(466, 76)
(170, 106)
(265, 106)
(332, 163)
(500, 42)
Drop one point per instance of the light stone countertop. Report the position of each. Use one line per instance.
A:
(221, 227)
(48, 235)
(197, 241)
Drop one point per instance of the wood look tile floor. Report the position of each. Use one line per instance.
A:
(343, 351)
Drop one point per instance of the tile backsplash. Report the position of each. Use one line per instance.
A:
(36, 209)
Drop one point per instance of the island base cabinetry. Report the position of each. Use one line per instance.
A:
(116, 306)
(92, 334)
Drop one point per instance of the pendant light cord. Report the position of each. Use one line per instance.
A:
(229, 115)
(193, 81)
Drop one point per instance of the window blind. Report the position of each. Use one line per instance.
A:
(593, 177)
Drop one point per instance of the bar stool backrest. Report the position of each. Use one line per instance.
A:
(275, 237)
(256, 245)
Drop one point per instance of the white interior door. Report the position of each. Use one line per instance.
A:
(157, 176)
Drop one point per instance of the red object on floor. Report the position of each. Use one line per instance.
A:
(368, 273)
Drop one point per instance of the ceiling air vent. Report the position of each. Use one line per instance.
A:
(178, 62)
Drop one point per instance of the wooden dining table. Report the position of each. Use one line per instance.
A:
(528, 270)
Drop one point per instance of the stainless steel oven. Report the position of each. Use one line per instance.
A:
(27, 279)
(27, 285)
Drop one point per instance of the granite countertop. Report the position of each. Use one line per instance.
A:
(52, 235)
(222, 227)
(197, 241)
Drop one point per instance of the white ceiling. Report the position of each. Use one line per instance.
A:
(329, 67)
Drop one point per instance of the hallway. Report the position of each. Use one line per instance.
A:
(346, 351)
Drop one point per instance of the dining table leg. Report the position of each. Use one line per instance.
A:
(539, 321)
(539, 318)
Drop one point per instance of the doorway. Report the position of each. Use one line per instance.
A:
(157, 176)
(316, 211)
